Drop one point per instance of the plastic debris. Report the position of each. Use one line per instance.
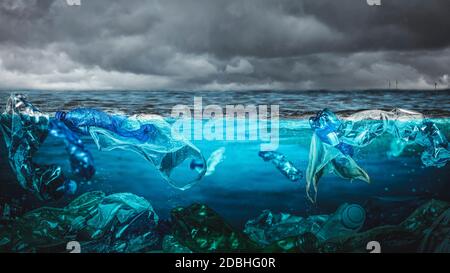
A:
(202, 230)
(283, 165)
(214, 159)
(348, 219)
(148, 136)
(81, 159)
(5, 212)
(324, 158)
(333, 141)
(24, 129)
(120, 222)
(269, 228)
(171, 245)
(424, 230)
(437, 237)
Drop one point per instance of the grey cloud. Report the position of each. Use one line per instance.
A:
(201, 44)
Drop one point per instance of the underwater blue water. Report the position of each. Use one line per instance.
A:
(243, 184)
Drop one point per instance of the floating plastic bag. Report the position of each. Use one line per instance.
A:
(24, 129)
(407, 128)
(285, 166)
(148, 136)
(323, 159)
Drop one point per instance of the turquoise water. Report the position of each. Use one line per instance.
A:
(243, 184)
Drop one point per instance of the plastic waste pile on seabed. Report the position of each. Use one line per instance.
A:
(121, 222)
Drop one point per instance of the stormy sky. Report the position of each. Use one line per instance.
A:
(224, 45)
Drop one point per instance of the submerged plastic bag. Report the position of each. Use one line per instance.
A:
(24, 129)
(285, 166)
(333, 141)
(148, 136)
(323, 159)
(107, 223)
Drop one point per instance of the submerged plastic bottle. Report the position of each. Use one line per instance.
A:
(327, 126)
(348, 219)
(283, 165)
(81, 160)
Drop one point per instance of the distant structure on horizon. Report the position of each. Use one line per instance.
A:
(389, 84)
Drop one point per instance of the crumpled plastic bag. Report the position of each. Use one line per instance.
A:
(92, 219)
(323, 159)
(147, 135)
(24, 129)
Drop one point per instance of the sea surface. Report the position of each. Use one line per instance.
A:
(243, 185)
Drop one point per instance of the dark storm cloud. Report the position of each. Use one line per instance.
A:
(204, 44)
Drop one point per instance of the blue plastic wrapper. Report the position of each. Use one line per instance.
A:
(148, 136)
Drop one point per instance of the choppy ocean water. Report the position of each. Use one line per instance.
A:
(243, 184)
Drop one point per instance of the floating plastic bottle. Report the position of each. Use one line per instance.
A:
(283, 165)
(148, 136)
